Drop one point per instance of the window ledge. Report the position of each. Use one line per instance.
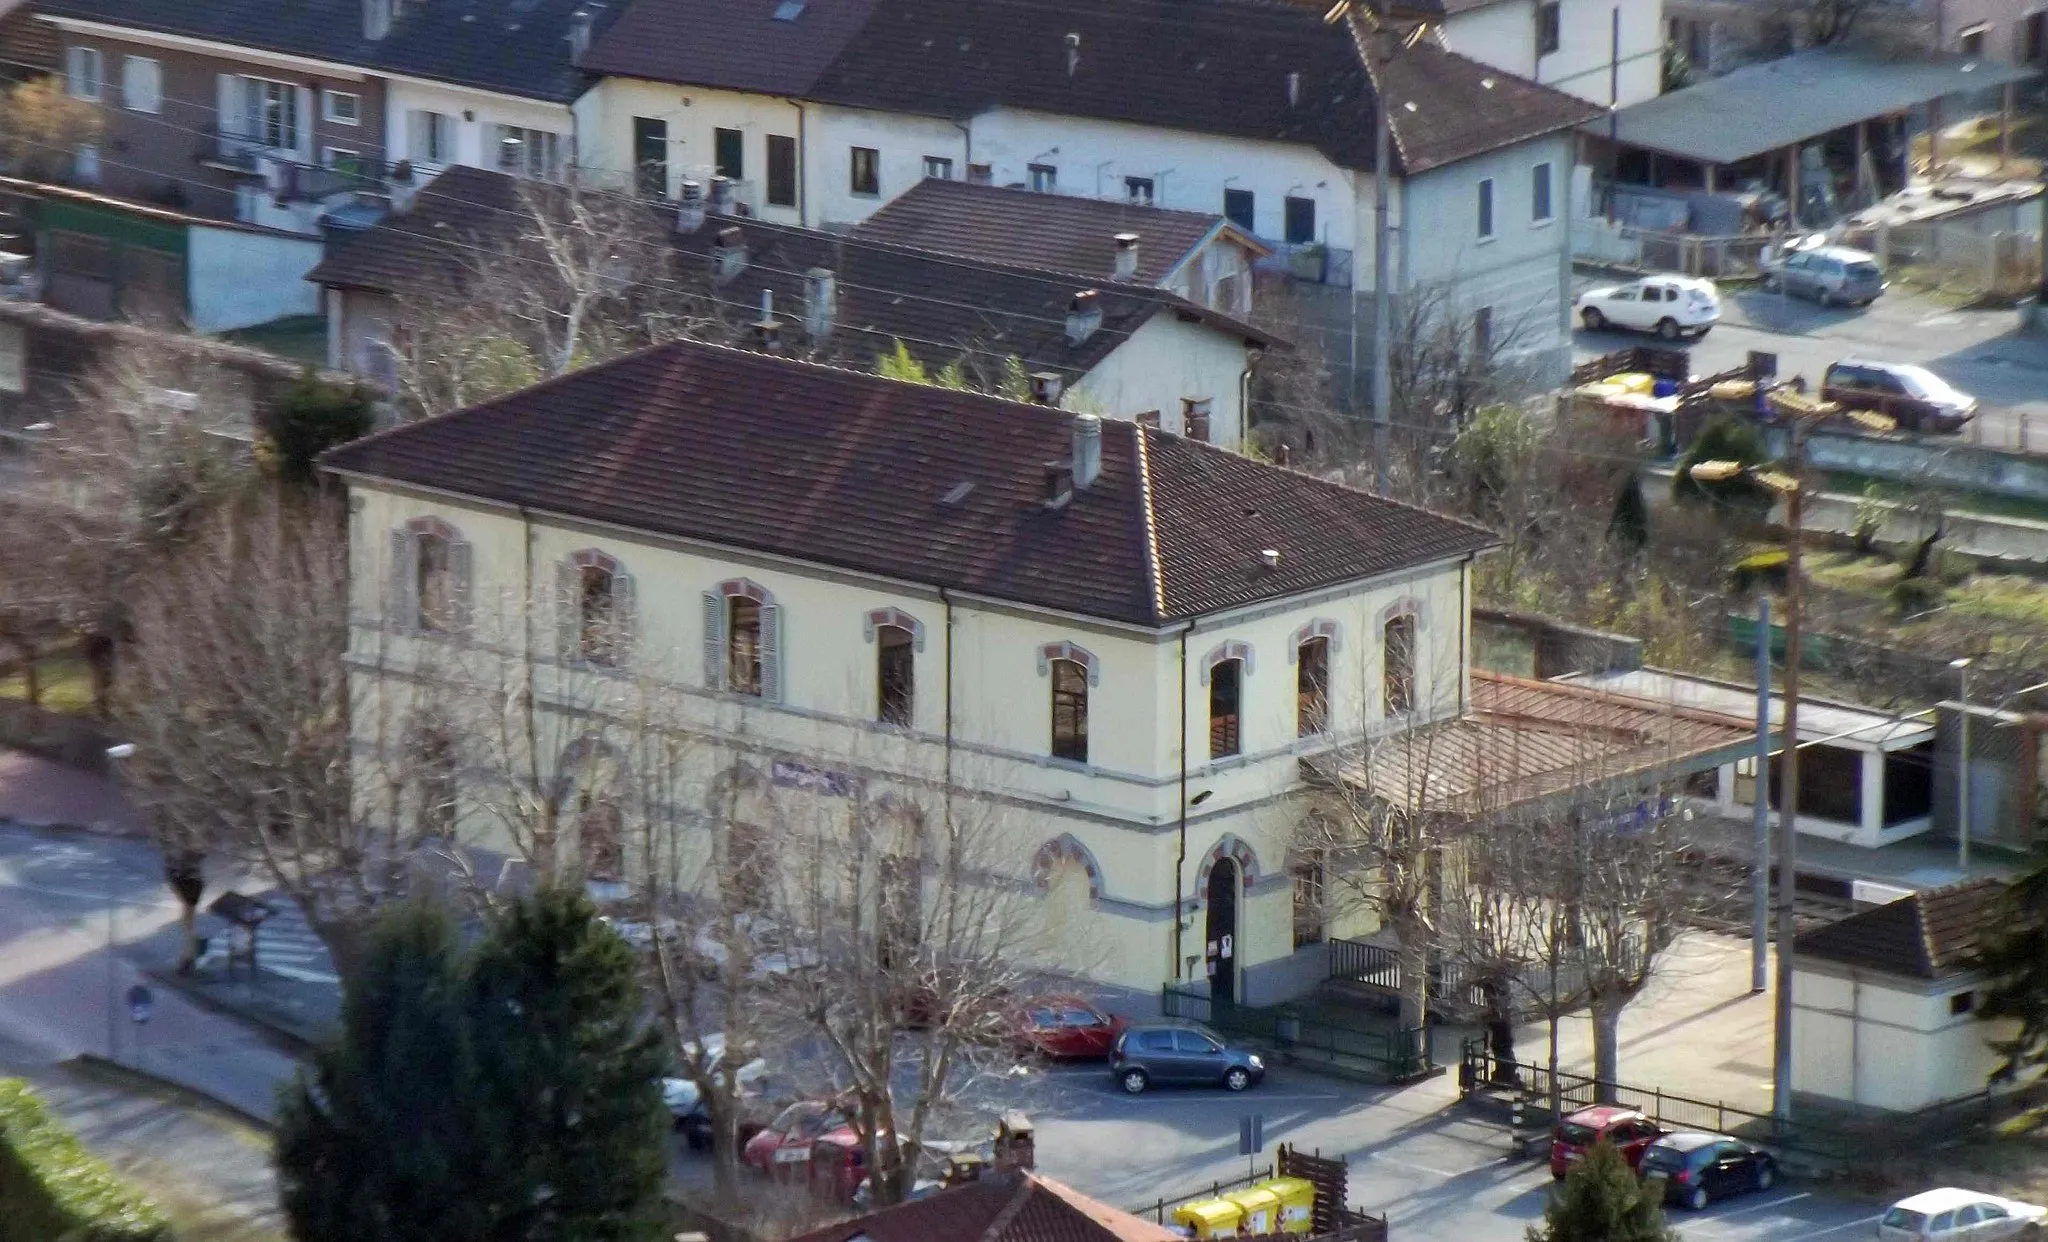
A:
(1487, 240)
(1544, 223)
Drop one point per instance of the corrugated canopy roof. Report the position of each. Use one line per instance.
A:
(1769, 106)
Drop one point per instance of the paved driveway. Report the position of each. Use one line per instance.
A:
(1983, 352)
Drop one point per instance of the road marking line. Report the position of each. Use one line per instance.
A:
(1419, 1168)
(1821, 1233)
(1718, 1217)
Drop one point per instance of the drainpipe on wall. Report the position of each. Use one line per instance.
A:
(803, 219)
(1180, 862)
(947, 599)
(966, 148)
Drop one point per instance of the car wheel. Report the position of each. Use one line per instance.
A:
(1765, 1175)
(1667, 329)
(1236, 1078)
(1696, 1198)
(1134, 1082)
(1556, 1174)
(1593, 319)
(697, 1140)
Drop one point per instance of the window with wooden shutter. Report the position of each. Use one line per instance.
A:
(1194, 418)
(771, 652)
(743, 631)
(401, 608)
(460, 579)
(714, 641)
(1397, 657)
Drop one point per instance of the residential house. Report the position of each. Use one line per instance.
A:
(1125, 350)
(242, 108)
(30, 43)
(1201, 257)
(1719, 35)
(1126, 640)
(998, 1206)
(1603, 51)
(825, 111)
(1885, 1003)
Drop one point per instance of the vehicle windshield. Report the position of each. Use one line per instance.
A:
(1906, 1219)
(1663, 1158)
(1578, 1135)
(1925, 384)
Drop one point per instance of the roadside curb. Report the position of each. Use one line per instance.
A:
(285, 1039)
(92, 1063)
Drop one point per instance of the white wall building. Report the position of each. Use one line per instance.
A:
(1269, 124)
(1608, 52)
(1884, 1007)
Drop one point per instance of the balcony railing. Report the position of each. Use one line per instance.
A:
(1312, 262)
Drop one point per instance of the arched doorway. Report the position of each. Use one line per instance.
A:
(1220, 942)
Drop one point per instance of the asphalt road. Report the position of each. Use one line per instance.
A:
(1439, 1172)
(1982, 352)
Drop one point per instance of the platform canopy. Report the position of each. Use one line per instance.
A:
(1773, 105)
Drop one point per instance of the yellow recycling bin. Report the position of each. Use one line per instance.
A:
(1261, 1210)
(1210, 1218)
(1297, 1204)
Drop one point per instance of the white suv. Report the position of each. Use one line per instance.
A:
(1671, 306)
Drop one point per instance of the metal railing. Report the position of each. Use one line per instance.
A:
(1306, 1038)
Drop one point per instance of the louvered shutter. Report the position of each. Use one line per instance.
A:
(402, 609)
(227, 102)
(568, 612)
(304, 117)
(714, 641)
(625, 615)
(459, 581)
(771, 653)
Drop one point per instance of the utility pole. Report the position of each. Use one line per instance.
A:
(1788, 796)
(1382, 293)
(1962, 668)
(1760, 851)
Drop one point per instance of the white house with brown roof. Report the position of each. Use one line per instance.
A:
(1124, 641)
(826, 111)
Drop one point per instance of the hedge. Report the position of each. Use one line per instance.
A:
(53, 1188)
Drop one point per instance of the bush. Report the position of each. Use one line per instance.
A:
(311, 417)
(1725, 439)
(52, 1187)
(1915, 595)
(1602, 1201)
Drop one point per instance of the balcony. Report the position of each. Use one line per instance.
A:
(1310, 262)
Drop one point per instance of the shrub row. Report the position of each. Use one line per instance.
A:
(53, 1188)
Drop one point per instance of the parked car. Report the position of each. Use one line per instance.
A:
(811, 1143)
(1830, 275)
(686, 1104)
(1067, 1028)
(1628, 1130)
(1912, 396)
(1951, 1215)
(1697, 1168)
(772, 954)
(1144, 1055)
(1671, 306)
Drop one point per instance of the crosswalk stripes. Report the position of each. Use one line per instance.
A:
(287, 946)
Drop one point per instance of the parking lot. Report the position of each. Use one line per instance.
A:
(1983, 352)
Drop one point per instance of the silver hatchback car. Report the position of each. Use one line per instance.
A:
(1830, 275)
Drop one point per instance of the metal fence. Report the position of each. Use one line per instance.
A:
(1307, 1036)
(1955, 258)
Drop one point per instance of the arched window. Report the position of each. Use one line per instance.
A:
(1312, 687)
(430, 577)
(1072, 669)
(1226, 708)
(898, 637)
(743, 640)
(595, 610)
(1397, 655)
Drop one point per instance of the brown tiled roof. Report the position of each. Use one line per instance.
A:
(842, 468)
(1052, 232)
(1207, 66)
(1014, 1207)
(944, 309)
(1524, 740)
(1929, 935)
(736, 44)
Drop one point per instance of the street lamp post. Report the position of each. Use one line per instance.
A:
(116, 753)
(1962, 668)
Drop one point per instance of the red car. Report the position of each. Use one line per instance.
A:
(810, 1143)
(1067, 1028)
(1628, 1130)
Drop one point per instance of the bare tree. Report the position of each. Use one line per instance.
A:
(42, 127)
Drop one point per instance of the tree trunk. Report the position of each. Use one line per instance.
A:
(1414, 961)
(185, 872)
(725, 1153)
(1606, 1048)
(1556, 1092)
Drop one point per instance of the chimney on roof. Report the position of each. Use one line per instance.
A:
(689, 206)
(767, 329)
(1073, 52)
(1084, 316)
(1087, 450)
(579, 33)
(1126, 256)
(377, 17)
(1045, 387)
(1294, 90)
(821, 302)
(721, 196)
(1059, 484)
(730, 254)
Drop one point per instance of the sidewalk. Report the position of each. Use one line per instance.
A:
(45, 794)
(1921, 862)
